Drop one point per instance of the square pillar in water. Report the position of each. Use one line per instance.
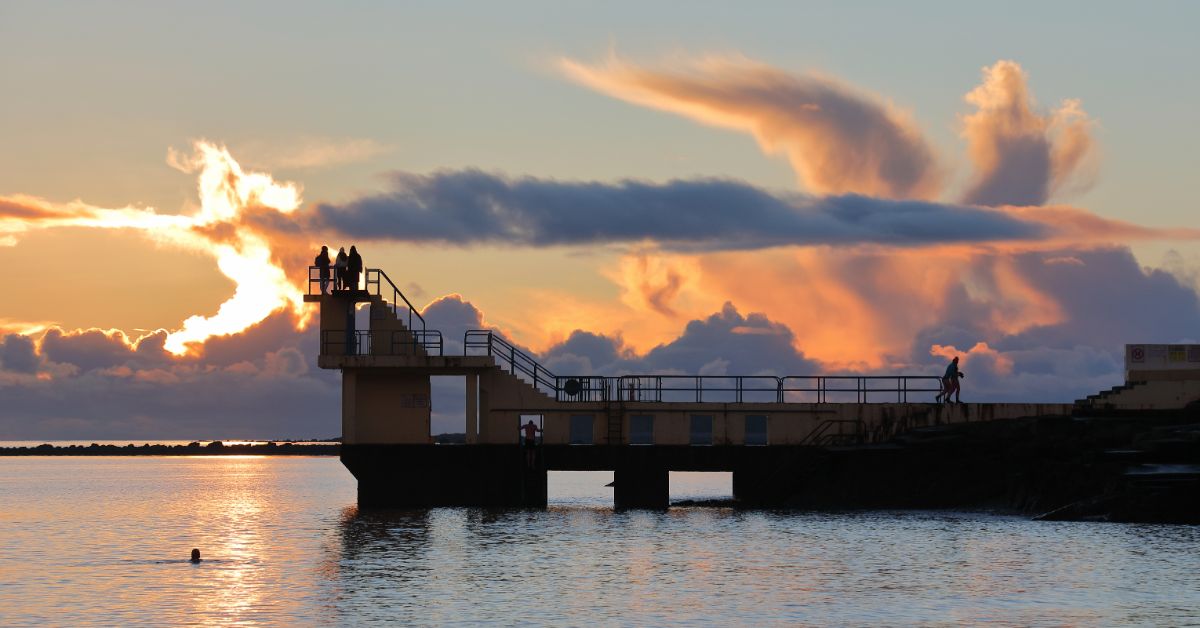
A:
(642, 487)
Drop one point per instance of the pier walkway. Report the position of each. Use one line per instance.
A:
(641, 426)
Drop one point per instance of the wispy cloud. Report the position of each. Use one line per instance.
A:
(310, 152)
(1022, 156)
(838, 139)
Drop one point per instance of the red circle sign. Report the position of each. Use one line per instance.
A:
(1139, 354)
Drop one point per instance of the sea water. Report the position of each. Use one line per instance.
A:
(105, 541)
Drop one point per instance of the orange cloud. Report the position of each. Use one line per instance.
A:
(837, 139)
(850, 309)
(1071, 225)
(998, 362)
(1013, 304)
(224, 226)
(654, 282)
(1021, 156)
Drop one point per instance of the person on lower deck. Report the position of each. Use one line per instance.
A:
(531, 429)
(950, 382)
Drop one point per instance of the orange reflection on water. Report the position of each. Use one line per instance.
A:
(233, 500)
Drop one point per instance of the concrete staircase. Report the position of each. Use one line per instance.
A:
(1105, 397)
(526, 389)
(1166, 394)
(389, 334)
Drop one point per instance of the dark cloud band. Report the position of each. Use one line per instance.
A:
(474, 207)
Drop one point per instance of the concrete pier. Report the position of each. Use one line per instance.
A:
(774, 433)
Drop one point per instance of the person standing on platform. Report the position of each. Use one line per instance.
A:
(950, 381)
(339, 270)
(322, 263)
(354, 268)
(531, 429)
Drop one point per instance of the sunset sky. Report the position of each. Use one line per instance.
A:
(776, 188)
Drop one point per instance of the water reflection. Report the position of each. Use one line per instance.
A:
(401, 534)
(228, 587)
(105, 542)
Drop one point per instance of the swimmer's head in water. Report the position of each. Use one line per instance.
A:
(195, 555)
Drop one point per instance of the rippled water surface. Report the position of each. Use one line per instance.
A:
(105, 541)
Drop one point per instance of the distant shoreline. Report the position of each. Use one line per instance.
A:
(215, 448)
(199, 448)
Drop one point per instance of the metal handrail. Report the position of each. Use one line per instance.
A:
(518, 361)
(314, 280)
(862, 387)
(429, 340)
(373, 276)
(728, 388)
(584, 388)
(349, 342)
(700, 388)
(362, 342)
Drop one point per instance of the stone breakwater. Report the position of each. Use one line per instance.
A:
(214, 448)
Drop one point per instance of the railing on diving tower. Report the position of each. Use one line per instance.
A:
(700, 388)
(366, 342)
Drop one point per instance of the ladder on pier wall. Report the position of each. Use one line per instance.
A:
(615, 414)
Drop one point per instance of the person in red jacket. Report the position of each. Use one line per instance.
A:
(950, 382)
(531, 429)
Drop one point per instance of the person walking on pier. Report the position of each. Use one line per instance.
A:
(322, 263)
(354, 267)
(339, 270)
(950, 382)
(531, 429)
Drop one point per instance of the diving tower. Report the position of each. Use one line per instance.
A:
(766, 430)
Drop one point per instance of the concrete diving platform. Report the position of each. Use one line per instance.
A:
(766, 430)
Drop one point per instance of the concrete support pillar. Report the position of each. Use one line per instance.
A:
(421, 476)
(337, 320)
(472, 430)
(350, 336)
(533, 486)
(382, 408)
(642, 487)
(750, 485)
(485, 410)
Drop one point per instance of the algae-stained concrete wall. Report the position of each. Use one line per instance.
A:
(787, 423)
(384, 407)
